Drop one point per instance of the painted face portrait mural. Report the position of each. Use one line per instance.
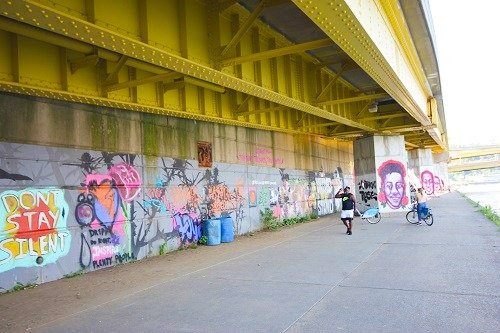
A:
(427, 179)
(393, 185)
(437, 184)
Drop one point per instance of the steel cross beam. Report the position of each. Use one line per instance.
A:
(292, 49)
(244, 28)
(155, 78)
(63, 24)
(352, 99)
(387, 116)
(327, 87)
(90, 60)
(257, 111)
(263, 4)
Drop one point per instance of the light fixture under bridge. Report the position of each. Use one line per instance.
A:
(373, 107)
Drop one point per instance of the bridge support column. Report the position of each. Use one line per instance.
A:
(381, 175)
(431, 170)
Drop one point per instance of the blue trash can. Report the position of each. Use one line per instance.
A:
(227, 230)
(211, 229)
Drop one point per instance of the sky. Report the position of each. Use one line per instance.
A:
(468, 49)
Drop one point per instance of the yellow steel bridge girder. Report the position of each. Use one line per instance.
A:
(473, 166)
(155, 57)
(381, 46)
(156, 38)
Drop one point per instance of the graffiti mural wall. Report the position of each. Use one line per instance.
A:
(87, 210)
(366, 187)
(32, 228)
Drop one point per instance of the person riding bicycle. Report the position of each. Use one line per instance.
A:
(421, 204)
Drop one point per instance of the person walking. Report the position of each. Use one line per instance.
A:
(421, 204)
(348, 206)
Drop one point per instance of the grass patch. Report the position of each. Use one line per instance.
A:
(490, 214)
(163, 249)
(19, 286)
(487, 211)
(270, 222)
(203, 240)
(72, 275)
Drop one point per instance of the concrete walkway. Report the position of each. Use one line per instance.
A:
(388, 277)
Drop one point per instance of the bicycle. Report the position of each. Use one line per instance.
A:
(372, 215)
(412, 216)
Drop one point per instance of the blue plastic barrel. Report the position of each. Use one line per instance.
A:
(211, 229)
(227, 231)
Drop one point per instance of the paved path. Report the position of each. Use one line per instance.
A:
(389, 277)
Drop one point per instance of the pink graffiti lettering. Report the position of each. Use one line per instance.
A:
(127, 180)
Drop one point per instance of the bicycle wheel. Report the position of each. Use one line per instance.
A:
(374, 219)
(412, 217)
(429, 219)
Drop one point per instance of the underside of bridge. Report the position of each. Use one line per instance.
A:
(335, 69)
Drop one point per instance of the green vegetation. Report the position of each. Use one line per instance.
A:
(490, 214)
(203, 240)
(163, 249)
(270, 222)
(486, 211)
(19, 286)
(70, 275)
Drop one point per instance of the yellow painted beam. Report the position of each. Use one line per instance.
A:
(389, 116)
(474, 166)
(244, 27)
(14, 41)
(363, 31)
(175, 85)
(86, 61)
(277, 52)
(412, 145)
(328, 86)
(472, 152)
(63, 56)
(397, 20)
(225, 4)
(244, 104)
(257, 111)
(406, 128)
(92, 36)
(155, 78)
(347, 134)
(71, 44)
(113, 75)
(204, 84)
(317, 125)
(352, 99)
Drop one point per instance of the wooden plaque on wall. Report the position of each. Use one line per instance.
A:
(204, 154)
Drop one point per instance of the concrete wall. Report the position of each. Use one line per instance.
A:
(82, 189)
(365, 171)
